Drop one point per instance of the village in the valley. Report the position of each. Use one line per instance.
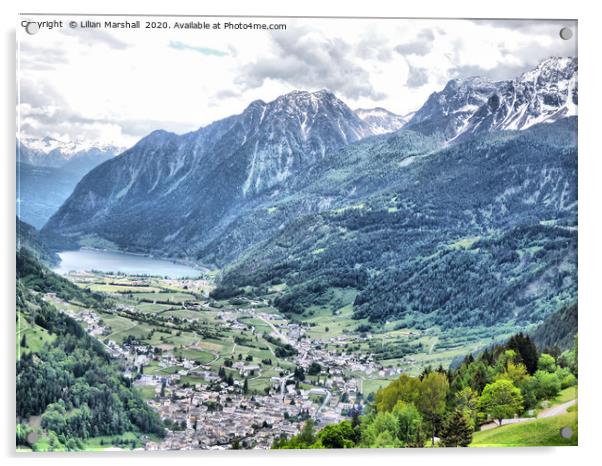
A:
(215, 403)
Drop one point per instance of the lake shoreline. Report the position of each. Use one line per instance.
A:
(190, 264)
(124, 262)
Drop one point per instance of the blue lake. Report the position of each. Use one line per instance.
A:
(86, 260)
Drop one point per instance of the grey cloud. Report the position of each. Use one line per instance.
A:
(498, 73)
(374, 48)
(523, 59)
(232, 50)
(417, 77)
(47, 58)
(40, 58)
(422, 45)
(49, 115)
(226, 94)
(77, 126)
(94, 37)
(308, 61)
(38, 94)
(528, 25)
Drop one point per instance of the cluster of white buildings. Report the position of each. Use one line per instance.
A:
(214, 414)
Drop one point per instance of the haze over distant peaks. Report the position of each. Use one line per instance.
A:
(49, 169)
(50, 152)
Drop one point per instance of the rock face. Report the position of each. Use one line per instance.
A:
(169, 186)
(473, 105)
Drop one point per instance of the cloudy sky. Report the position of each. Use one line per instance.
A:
(115, 86)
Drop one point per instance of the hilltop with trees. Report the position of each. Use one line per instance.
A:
(500, 383)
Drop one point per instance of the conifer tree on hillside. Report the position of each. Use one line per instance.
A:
(456, 430)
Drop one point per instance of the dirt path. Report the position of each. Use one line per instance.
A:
(544, 413)
(556, 410)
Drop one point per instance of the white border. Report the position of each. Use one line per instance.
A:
(590, 161)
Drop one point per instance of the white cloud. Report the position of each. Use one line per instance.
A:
(116, 86)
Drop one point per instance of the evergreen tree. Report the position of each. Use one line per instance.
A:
(456, 430)
(524, 346)
(307, 436)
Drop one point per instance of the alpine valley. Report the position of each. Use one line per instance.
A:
(465, 216)
(336, 250)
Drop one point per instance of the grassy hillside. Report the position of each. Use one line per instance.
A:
(537, 433)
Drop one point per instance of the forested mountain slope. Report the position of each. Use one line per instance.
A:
(479, 232)
(65, 375)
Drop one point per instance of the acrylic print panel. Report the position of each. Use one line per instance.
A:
(262, 233)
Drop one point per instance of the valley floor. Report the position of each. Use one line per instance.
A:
(227, 372)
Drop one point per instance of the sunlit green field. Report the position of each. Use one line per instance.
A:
(35, 337)
(537, 433)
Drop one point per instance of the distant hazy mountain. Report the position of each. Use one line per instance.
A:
(171, 191)
(48, 173)
(475, 105)
(49, 152)
(380, 120)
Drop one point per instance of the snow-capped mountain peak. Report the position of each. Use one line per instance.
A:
(551, 69)
(380, 120)
(544, 94)
(67, 149)
(51, 152)
(293, 131)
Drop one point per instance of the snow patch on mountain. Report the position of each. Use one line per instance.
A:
(471, 105)
(380, 120)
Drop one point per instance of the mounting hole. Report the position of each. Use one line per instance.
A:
(32, 28)
(32, 438)
(566, 432)
(566, 33)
